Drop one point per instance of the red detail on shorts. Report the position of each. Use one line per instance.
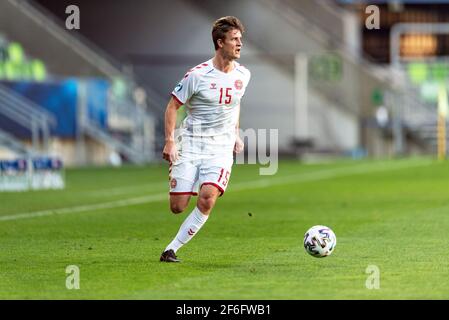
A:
(204, 64)
(215, 185)
(173, 183)
(177, 99)
(183, 193)
(221, 175)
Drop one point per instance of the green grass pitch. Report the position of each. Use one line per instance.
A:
(114, 223)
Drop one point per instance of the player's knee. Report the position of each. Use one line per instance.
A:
(206, 202)
(177, 208)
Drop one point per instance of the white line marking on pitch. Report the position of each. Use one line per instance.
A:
(116, 191)
(89, 207)
(262, 183)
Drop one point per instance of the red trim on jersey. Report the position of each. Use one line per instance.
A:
(183, 193)
(177, 99)
(215, 185)
(193, 69)
(188, 72)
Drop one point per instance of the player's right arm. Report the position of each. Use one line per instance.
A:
(170, 152)
(180, 95)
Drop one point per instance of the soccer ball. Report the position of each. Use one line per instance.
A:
(320, 241)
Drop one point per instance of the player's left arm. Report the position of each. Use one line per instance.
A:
(239, 145)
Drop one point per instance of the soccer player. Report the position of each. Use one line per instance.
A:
(201, 156)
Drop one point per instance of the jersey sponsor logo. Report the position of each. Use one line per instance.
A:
(178, 87)
(238, 84)
(173, 183)
(213, 86)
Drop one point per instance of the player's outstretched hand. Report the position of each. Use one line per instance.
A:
(239, 145)
(170, 152)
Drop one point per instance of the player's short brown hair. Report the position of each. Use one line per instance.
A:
(223, 25)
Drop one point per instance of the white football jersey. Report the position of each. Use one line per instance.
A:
(211, 98)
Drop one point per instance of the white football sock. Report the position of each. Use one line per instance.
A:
(188, 229)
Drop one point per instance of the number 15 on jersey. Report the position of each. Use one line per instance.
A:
(225, 94)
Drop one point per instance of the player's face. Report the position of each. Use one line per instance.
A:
(232, 44)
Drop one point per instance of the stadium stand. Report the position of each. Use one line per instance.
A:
(320, 82)
(91, 99)
(344, 85)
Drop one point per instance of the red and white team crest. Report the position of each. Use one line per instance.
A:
(238, 84)
(173, 183)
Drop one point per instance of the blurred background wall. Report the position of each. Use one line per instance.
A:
(320, 76)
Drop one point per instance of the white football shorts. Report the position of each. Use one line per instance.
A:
(187, 175)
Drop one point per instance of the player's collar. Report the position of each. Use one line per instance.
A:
(236, 65)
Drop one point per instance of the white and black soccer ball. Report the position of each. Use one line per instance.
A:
(320, 241)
